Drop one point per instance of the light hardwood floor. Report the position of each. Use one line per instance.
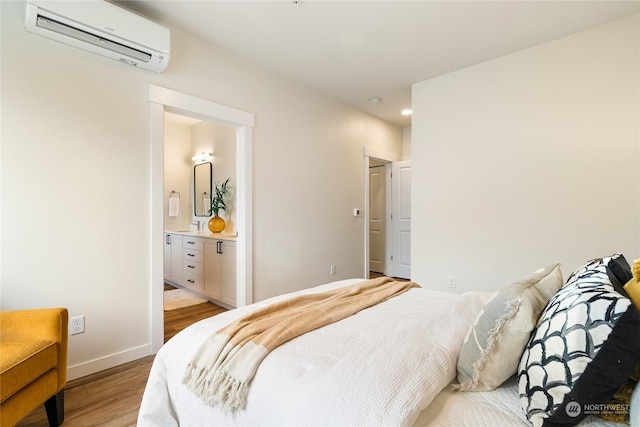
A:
(112, 397)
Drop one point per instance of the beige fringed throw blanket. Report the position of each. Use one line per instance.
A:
(226, 362)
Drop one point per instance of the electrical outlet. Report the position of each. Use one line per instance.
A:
(77, 325)
(452, 281)
(333, 270)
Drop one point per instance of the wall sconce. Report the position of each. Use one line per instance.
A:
(202, 157)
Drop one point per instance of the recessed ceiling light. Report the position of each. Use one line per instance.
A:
(375, 100)
(406, 112)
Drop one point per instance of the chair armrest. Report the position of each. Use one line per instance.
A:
(40, 324)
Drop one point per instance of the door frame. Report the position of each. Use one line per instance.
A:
(384, 156)
(160, 100)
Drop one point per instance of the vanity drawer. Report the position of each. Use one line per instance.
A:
(193, 281)
(192, 266)
(191, 255)
(192, 243)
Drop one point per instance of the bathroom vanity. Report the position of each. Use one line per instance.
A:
(203, 262)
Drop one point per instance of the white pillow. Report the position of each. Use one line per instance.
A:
(492, 349)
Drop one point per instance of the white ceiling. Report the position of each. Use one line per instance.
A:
(355, 50)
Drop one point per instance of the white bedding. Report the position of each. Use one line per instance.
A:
(381, 366)
(499, 407)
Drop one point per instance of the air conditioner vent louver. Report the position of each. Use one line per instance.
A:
(130, 38)
(59, 27)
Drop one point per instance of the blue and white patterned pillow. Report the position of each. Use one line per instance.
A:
(585, 346)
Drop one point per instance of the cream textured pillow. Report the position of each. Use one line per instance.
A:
(492, 349)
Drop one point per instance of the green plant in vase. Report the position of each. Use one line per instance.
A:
(218, 203)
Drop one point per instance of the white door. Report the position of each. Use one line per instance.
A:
(401, 219)
(377, 218)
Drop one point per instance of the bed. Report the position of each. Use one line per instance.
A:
(393, 364)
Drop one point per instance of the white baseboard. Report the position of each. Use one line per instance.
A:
(106, 362)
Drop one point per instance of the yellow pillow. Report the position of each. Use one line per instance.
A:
(633, 286)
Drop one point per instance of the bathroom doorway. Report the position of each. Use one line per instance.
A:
(163, 100)
(197, 155)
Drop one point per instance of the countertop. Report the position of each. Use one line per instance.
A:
(204, 234)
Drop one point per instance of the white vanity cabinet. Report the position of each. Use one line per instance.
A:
(192, 262)
(173, 258)
(220, 270)
(228, 274)
(205, 264)
(167, 256)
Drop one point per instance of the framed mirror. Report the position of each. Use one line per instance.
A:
(202, 187)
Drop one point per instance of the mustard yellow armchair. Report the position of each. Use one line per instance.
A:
(33, 363)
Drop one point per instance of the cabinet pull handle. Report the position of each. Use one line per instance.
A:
(190, 255)
(167, 239)
(191, 243)
(219, 247)
(190, 266)
(191, 281)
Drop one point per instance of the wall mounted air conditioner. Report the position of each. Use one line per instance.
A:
(102, 28)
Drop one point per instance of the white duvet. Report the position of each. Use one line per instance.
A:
(381, 366)
(499, 407)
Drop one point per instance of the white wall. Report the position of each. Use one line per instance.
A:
(178, 173)
(528, 159)
(181, 143)
(75, 172)
(221, 141)
(406, 143)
